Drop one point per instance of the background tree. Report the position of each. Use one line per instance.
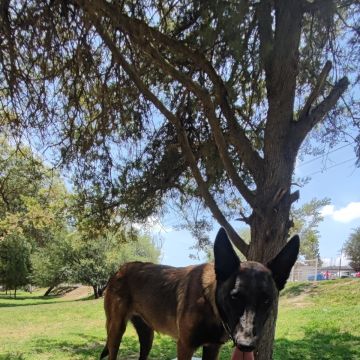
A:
(32, 196)
(306, 221)
(352, 249)
(52, 263)
(191, 100)
(33, 214)
(15, 268)
(95, 260)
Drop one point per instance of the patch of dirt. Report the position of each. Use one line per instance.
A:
(299, 301)
(62, 290)
(78, 292)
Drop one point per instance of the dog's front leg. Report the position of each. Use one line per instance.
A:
(184, 351)
(210, 352)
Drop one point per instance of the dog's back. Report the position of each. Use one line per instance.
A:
(151, 291)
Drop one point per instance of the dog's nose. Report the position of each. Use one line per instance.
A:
(247, 343)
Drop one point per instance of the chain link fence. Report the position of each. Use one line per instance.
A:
(306, 270)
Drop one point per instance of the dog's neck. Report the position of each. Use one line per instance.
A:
(209, 286)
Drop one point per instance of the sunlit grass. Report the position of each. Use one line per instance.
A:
(315, 322)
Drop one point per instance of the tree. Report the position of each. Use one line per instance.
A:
(204, 101)
(95, 260)
(32, 196)
(306, 221)
(33, 210)
(352, 249)
(52, 263)
(14, 261)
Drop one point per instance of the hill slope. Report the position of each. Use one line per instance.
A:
(319, 321)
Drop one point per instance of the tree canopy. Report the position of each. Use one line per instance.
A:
(32, 196)
(306, 221)
(352, 249)
(161, 99)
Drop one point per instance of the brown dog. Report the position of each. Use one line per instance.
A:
(202, 305)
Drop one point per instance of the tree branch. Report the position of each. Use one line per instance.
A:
(301, 128)
(281, 77)
(319, 87)
(329, 102)
(263, 14)
(140, 30)
(182, 137)
(315, 5)
(208, 106)
(294, 196)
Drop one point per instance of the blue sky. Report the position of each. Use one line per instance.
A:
(334, 176)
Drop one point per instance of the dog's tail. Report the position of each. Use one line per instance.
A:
(105, 352)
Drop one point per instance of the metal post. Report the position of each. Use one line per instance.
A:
(316, 269)
(340, 263)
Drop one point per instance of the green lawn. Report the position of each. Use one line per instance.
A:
(319, 321)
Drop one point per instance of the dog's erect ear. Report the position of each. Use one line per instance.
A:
(226, 260)
(282, 264)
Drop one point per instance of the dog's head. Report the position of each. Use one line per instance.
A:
(246, 291)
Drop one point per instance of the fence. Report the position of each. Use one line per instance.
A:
(305, 270)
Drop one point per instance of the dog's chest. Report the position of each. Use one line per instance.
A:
(208, 332)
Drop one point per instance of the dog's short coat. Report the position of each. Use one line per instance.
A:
(199, 305)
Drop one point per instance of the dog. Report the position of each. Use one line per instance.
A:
(203, 305)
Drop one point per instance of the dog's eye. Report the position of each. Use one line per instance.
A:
(266, 301)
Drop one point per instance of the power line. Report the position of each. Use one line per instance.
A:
(321, 156)
(332, 166)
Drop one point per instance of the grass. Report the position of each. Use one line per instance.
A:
(318, 321)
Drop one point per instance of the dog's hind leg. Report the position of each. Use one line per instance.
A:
(146, 336)
(115, 332)
(117, 315)
(210, 352)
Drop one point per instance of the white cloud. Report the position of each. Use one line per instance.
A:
(344, 215)
(327, 210)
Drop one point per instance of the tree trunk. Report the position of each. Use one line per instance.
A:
(266, 343)
(269, 232)
(96, 291)
(101, 290)
(15, 293)
(48, 291)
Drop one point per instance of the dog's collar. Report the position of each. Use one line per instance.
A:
(227, 330)
(224, 323)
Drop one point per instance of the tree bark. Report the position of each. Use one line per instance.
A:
(269, 230)
(266, 343)
(48, 291)
(96, 291)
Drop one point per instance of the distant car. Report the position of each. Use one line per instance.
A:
(319, 277)
(357, 275)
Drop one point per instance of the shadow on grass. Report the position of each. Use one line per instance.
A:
(315, 346)
(320, 346)
(38, 300)
(12, 357)
(91, 347)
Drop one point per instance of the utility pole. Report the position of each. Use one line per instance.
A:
(341, 252)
